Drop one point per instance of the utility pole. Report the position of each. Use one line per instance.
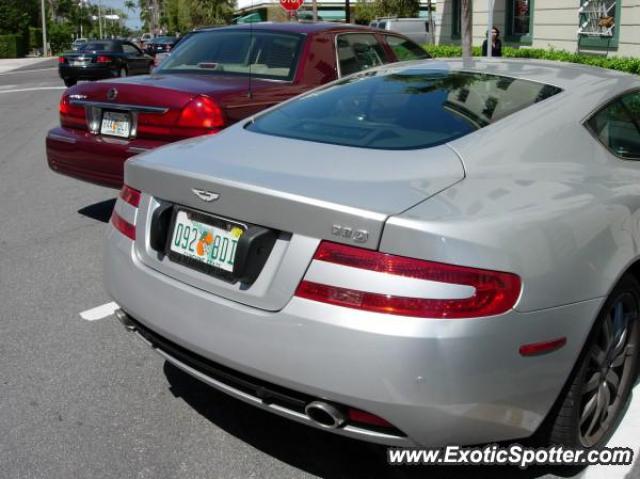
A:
(100, 17)
(490, 28)
(314, 9)
(45, 50)
(432, 27)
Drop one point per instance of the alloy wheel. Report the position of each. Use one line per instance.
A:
(609, 371)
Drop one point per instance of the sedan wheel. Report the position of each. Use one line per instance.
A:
(605, 373)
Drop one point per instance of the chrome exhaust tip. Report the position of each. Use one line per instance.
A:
(325, 415)
(125, 320)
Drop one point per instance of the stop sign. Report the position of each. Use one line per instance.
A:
(291, 5)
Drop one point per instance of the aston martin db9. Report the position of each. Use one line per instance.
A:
(424, 253)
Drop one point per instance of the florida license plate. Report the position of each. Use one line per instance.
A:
(115, 124)
(194, 236)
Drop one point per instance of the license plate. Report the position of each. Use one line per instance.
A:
(194, 237)
(78, 63)
(115, 124)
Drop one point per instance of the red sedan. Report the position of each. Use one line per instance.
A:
(211, 80)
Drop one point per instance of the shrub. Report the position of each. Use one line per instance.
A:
(625, 64)
(11, 46)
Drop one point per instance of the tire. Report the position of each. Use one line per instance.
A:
(599, 388)
(68, 82)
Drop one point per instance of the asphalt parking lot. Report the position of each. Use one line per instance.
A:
(82, 398)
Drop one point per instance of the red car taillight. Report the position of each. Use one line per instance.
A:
(201, 116)
(201, 113)
(71, 115)
(62, 60)
(495, 292)
(131, 196)
(103, 59)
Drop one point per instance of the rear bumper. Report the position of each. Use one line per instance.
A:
(93, 158)
(92, 71)
(438, 381)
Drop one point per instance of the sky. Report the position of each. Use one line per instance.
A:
(133, 21)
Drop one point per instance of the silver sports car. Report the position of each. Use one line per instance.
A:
(427, 253)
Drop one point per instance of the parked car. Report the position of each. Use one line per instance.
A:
(145, 38)
(424, 253)
(100, 59)
(78, 43)
(214, 78)
(417, 29)
(160, 45)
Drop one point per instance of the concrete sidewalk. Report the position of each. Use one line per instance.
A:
(8, 64)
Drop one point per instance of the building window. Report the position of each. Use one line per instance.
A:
(520, 21)
(456, 16)
(598, 23)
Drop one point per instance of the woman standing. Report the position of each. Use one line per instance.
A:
(496, 44)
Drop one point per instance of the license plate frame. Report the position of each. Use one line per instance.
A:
(210, 221)
(116, 117)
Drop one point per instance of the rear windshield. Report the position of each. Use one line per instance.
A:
(164, 40)
(259, 53)
(409, 109)
(98, 46)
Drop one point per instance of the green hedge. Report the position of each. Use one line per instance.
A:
(12, 46)
(625, 64)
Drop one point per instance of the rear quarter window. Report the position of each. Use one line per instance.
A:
(404, 49)
(401, 109)
(617, 126)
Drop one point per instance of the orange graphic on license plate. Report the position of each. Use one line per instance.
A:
(205, 240)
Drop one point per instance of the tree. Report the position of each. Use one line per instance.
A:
(365, 11)
(399, 8)
(466, 27)
(18, 15)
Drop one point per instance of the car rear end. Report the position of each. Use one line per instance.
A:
(98, 133)
(280, 279)
(102, 124)
(92, 61)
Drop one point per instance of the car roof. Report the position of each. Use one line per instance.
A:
(294, 27)
(568, 76)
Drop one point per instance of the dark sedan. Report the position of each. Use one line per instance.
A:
(160, 45)
(101, 59)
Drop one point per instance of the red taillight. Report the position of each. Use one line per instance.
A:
(495, 292)
(61, 60)
(103, 59)
(201, 113)
(130, 195)
(71, 115)
(362, 417)
(123, 226)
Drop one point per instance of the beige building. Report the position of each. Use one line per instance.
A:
(609, 27)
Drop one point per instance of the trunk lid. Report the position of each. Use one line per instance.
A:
(305, 191)
(161, 98)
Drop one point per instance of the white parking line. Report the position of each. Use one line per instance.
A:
(99, 312)
(34, 89)
(18, 72)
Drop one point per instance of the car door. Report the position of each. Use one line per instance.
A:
(359, 51)
(137, 62)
